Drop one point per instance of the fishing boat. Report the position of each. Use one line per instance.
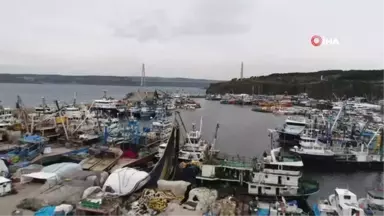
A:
(278, 208)
(342, 203)
(263, 109)
(195, 147)
(324, 208)
(146, 112)
(43, 108)
(290, 133)
(30, 147)
(101, 158)
(312, 151)
(6, 118)
(374, 199)
(108, 106)
(278, 174)
(373, 203)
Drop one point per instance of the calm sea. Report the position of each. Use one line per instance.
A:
(242, 132)
(31, 93)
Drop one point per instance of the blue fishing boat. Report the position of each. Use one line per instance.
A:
(30, 146)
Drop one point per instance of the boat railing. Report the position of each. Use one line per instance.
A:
(237, 161)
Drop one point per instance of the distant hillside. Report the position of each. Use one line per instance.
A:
(104, 80)
(320, 84)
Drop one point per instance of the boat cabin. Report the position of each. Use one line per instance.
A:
(346, 203)
(296, 121)
(281, 162)
(376, 198)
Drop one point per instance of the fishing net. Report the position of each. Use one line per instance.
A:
(68, 192)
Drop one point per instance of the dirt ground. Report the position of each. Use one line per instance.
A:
(8, 203)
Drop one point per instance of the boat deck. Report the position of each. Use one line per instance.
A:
(55, 152)
(6, 147)
(236, 164)
(96, 163)
(130, 162)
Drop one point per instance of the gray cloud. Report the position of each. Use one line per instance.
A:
(152, 26)
(191, 38)
(206, 18)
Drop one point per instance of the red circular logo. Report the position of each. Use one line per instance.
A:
(316, 40)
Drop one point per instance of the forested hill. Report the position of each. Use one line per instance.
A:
(321, 84)
(104, 80)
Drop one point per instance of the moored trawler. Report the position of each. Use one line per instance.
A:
(108, 105)
(278, 174)
(195, 148)
(290, 133)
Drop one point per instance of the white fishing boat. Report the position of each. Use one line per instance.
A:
(324, 208)
(373, 203)
(278, 208)
(345, 203)
(195, 147)
(73, 113)
(278, 174)
(292, 129)
(43, 108)
(108, 104)
(312, 151)
(6, 117)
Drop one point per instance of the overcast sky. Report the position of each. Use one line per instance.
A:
(188, 38)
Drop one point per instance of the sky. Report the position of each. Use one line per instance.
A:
(189, 38)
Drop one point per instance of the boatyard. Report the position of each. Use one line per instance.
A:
(195, 108)
(151, 135)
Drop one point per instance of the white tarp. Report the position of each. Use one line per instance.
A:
(3, 169)
(53, 173)
(62, 170)
(178, 188)
(125, 181)
(51, 178)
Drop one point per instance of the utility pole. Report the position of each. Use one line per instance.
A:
(142, 75)
(241, 70)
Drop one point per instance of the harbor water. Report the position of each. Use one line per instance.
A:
(242, 132)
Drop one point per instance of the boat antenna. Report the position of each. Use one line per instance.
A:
(74, 98)
(201, 124)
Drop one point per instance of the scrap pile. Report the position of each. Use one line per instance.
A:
(176, 198)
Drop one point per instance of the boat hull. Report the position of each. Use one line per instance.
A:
(311, 160)
(329, 163)
(288, 140)
(234, 188)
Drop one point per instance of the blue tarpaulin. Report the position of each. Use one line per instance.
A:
(33, 138)
(262, 212)
(46, 211)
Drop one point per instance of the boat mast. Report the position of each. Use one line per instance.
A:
(201, 124)
(337, 117)
(74, 98)
(214, 139)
